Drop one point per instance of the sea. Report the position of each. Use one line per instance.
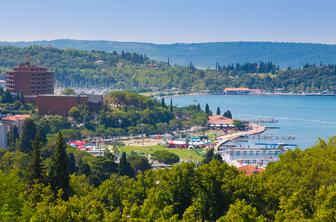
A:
(306, 118)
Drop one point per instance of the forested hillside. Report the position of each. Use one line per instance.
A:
(90, 69)
(299, 187)
(205, 55)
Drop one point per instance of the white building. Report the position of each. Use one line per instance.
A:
(3, 136)
(240, 156)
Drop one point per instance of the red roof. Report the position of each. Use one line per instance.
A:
(250, 169)
(221, 120)
(237, 89)
(16, 117)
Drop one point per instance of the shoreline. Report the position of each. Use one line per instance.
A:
(261, 94)
(255, 129)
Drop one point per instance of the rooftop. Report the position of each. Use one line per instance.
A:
(250, 169)
(16, 117)
(221, 120)
(237, 89)
(27, 67)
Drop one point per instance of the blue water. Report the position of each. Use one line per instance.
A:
(305, 117)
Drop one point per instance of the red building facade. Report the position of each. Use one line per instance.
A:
(30, 80)
(57, 104)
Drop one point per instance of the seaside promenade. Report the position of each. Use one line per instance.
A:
(254, 129)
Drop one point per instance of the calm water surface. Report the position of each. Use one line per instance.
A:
(305, 117)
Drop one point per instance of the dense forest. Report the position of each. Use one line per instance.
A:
(93, 69)
(206, 55)
(55, 183)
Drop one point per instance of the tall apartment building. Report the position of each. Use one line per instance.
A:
(30, 80)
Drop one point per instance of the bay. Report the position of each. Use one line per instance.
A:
(305, 117)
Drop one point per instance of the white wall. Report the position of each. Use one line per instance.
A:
(3, 136)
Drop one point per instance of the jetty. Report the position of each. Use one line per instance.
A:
(267, 137)
(263, 120)
(254, 129)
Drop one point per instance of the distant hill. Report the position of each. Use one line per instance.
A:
(207, 54)
(94, 69)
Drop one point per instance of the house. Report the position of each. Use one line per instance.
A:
(237, 91)
(219, 121)
(16, 120)
(241, 91)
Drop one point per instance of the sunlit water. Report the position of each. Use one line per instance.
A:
(305, 117)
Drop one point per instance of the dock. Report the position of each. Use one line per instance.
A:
(255, 129)
(267, 137)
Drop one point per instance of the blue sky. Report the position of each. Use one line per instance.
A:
(169, 21)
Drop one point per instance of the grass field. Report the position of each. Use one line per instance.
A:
(184, 154)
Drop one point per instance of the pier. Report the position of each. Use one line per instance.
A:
(263, 120)
(255, 129)
(272, 127)
(274, 145)
(267, 137)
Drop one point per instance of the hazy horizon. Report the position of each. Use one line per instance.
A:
(168, 43)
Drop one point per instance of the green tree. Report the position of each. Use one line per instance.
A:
(239, 124)
(125, 168)
(28, 134)
(211, 155)
(68, 91)
(163, 103)
(83, 168)
(58, 170)
(164, 156)
(199, 109)
(11, 201)
(207, 109)
(139, 163)
(218, 112)
(171, 105)
(74, 113)
(72, 168)
(36, 167)
(228, 114)
(241, 211)
(101, 169)
(13, 137)
(7, 97)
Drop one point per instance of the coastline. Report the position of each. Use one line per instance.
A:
(255, 129)
(259, 94)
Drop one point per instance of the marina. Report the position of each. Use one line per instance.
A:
(268, 137)
(293, 117)
(257, 155)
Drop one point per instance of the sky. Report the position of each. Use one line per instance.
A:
(169, 21)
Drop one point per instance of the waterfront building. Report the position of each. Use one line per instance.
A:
(219, 121)
(30, 80)
(241, 91)
(256, 155)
